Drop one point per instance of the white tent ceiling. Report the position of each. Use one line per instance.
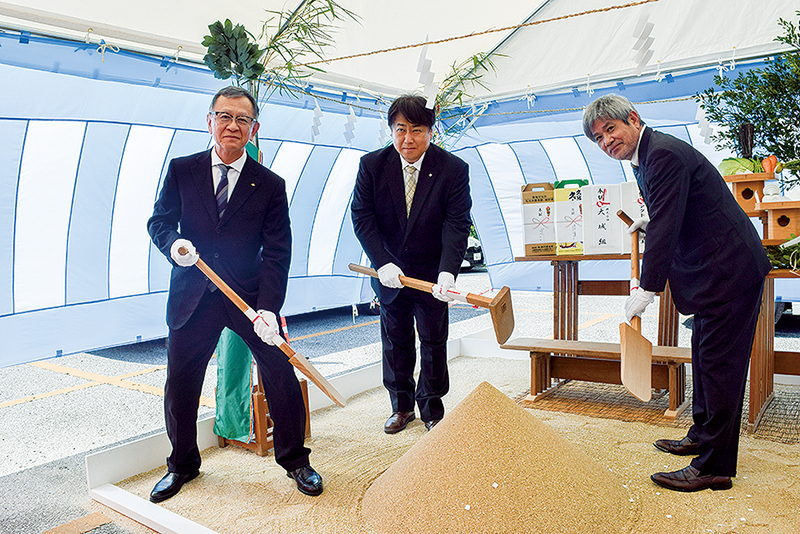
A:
(566, 42)
(87, 137)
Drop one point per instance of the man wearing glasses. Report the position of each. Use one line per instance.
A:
(222, 205)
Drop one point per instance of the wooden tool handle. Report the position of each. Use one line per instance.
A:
(427, 287)
(636, 321)
(296, 359)
(624, 216)
(219, 282)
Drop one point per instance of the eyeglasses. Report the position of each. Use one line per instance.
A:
(223, 119)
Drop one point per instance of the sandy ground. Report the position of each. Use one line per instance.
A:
(240, 492)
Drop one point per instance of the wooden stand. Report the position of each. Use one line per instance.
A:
(783, 219)
(748, 188)
(594, 362)
(765, 361)
(262, 424)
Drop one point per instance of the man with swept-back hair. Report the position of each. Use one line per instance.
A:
(224, 205)
(701, 241)
(411, 214)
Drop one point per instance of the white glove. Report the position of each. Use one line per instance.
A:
(266, 326)
(389, 275)
(184, 260)
(639, 224)
(443, 285)
(637, 302)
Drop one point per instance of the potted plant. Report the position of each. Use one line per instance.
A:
(765, 98)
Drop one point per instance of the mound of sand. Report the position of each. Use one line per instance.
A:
(490, 466)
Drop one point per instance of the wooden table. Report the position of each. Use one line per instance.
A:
(566, 289)
(765, 361)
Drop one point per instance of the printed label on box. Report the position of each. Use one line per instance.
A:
(569, 219)
(538, 217)
(602, 229)
(632, 203)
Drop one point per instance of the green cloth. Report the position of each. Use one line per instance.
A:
(234, 387)
(235, 375)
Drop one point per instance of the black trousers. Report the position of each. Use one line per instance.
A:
(722, 339)
(400, 354)
(189, 350)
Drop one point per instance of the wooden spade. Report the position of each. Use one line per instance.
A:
(636, 352)
(499, 307)
(295, 358)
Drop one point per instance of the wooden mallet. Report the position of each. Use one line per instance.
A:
(295, 358)
(499, 307)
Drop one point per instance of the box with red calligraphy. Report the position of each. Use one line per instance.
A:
(602, 229)
(632, 203)
(569, 217)
(538, 218)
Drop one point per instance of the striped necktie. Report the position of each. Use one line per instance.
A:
(411, 186)
(222, 190)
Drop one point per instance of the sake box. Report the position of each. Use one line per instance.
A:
(632, 203)
(569, 217)
(602, 228)
(538, 218)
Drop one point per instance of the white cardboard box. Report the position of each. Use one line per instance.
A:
(569, 218)
(602, 229)
(538, 218)
(632, 203)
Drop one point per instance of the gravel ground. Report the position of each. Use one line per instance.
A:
(56, 411)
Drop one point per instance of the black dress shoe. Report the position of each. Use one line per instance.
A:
(432, 423)
(398, 421)
(690, 479)
(308, 480)
(170, 485)
(682, 447)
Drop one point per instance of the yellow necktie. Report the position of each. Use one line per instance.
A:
(411, 186)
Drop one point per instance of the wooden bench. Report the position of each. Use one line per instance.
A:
(600, 362)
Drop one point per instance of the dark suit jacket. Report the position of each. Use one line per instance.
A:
(699, 238)
(434, 236)
(250, 248)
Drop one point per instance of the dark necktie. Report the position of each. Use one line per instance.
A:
(222, 191)
(638, 175)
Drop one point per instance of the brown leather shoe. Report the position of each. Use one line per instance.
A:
(431, 424)
(682, 447)
(690, 479)
(398, 421)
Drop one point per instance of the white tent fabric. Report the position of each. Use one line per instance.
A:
(87, 136)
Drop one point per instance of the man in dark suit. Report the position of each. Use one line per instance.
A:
(702, 242)
(411, 214)
(243, 233)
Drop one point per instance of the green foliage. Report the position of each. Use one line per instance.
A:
(230, 53)
(451, 119)
(275, 58)
(784, 257)
(768, 98)
(291, 36)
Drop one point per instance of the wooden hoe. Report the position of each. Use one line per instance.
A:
(499, 307)
(295, 358)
